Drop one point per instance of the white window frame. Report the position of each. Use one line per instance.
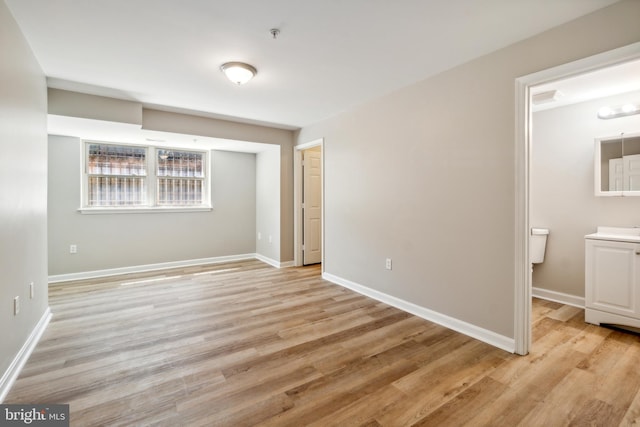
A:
(151, 183)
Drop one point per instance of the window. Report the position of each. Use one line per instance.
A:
(116, 175)
(180, 177)
(126, 177)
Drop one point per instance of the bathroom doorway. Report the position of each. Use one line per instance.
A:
(526, 87)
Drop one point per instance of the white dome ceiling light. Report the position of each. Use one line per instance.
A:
(238, 72)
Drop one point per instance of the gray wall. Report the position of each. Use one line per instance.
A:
(562, 188)
(425, 176)
(73, 104)
(23, 188)
(195, 125)
(107, 241)
(268, 203)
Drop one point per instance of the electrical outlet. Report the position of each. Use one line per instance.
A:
(16, 306)
(259, 235)
(270, 239)
(73, 249)
(31, 290)
(387, 264)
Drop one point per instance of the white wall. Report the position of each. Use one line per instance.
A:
(268, 203)
(23, 190)
(562, 188)
(108, 241)
(426, 177)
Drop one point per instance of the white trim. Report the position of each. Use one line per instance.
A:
(273, 262)
(490, 337)
(14, 369)
(148, 267)
(164, 266)
(297, 200)
(522, 279)
(560, 297)
(310, 144)
(522, 270)
(146, 209)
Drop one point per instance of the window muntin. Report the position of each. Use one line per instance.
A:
(123, 176)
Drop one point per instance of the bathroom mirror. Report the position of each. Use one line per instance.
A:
(617, 165)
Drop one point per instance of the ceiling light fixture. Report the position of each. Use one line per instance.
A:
(238, 72)
(607, 112)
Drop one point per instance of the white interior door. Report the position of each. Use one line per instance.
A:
(312, 207)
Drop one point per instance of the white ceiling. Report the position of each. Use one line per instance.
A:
(330, 55)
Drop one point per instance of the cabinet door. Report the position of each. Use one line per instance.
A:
(611, 277)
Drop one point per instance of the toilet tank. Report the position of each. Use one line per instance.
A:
(538, 244)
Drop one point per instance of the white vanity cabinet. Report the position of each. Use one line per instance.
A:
(612, 276)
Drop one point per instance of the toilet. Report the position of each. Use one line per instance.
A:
(537, 245)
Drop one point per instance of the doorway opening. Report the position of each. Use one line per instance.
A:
(309, 203)
(525, 87)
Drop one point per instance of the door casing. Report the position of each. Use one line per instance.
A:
(523, 128)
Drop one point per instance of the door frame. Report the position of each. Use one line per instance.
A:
(523, 128)
(297, 200)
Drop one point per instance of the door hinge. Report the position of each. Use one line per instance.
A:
(303, 206)
(303, 247)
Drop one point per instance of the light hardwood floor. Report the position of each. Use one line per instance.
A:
(245, 344)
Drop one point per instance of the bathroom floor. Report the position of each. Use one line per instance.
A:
(577, 373)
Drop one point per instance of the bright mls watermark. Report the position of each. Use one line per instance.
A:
(34, 415)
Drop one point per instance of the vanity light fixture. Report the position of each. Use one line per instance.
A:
(238, 72)
(607, 112)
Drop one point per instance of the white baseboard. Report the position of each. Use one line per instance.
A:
(273, 262)
(148, 267)
(485, 335)
(58, 278)
(560, 297)
(11, 374)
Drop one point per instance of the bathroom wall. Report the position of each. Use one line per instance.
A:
(562, 188)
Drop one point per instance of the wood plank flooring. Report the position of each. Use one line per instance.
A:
(245, 344)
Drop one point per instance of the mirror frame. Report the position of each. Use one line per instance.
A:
(597, 169)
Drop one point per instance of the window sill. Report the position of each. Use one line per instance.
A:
(146, 209)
